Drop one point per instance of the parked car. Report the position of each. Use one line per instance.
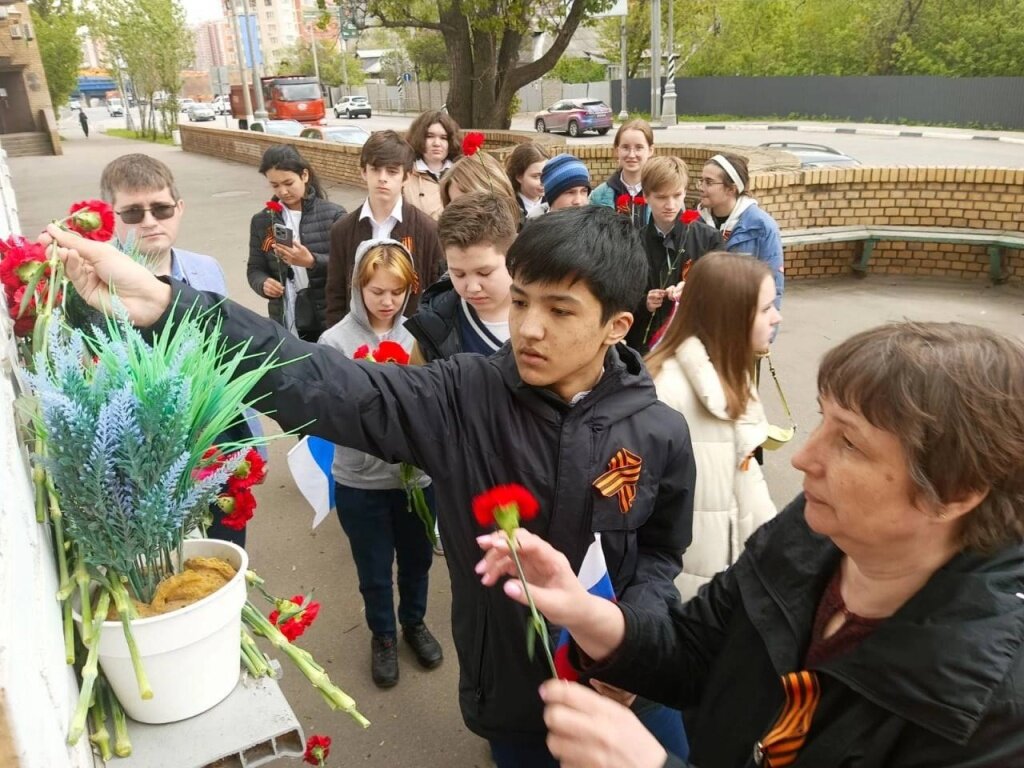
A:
(353, 106)
(575, 117)
(198, 112)
(290, 128)
(221, 105)
(813, 155)
(340, 134)
(74, 105)
(115, 108)
(184, 104)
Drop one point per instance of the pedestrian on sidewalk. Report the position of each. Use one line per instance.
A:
(83, 119)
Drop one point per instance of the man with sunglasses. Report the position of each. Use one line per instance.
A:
(147, 216)
(147, 213)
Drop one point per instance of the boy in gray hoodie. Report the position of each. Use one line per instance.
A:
(371, 494)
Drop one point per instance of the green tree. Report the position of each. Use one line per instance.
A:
(56, 24)
(298, 60)
(148, 43)
(579, 69)
(428, 56)
(485, 41)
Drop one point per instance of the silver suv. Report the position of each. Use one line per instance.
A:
(353, 106)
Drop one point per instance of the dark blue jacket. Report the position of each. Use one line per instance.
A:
(471, 423)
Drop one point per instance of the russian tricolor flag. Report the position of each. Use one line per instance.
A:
(594, 577)
(310, 464)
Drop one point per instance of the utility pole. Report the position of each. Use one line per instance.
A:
(668, 112)
(246, 101)
(655, 59)
(316, 61)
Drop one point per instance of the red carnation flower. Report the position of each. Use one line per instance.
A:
(391, 352)
(273, 206)
(505, 506)
(238, 508)
(363, 353)
(472, 142)
(252, 471)
(210, 463)
(298, 616)
(639, 200)
(92, 219)
(317, 749)
(688, 217)
(20, 262)
(622, 203)
(23, 325)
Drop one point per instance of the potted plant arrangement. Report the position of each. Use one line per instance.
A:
(125, 471)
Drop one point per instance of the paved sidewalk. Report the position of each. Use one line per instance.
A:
(417, 724)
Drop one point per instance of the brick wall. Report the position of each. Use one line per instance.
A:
(21, 55)
(983, 198)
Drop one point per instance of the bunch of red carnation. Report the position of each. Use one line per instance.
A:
(295, 616)
(625, 203)
(236, 501)
(25, 274)
(25, 270)
(386, 352)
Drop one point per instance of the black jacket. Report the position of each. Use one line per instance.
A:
(318, 215)
(435, 326)
(940, 683)
(471, 423)
(696, 239)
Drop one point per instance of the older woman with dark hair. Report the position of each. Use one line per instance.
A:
(437, 142)
(877, 622)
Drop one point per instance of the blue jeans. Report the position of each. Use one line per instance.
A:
(507, 754)
(381, 529)
(664, 723)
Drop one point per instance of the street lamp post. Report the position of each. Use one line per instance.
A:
(623, 113)
(655, 59)
(668, 112)
(246, 101)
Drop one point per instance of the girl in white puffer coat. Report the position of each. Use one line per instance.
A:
(704, 368)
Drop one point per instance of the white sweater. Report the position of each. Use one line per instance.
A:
(731, 498)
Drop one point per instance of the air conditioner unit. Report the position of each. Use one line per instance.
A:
(3, 12)
(16, 33)
(29, 33)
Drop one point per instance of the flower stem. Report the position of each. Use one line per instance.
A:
(98, 721)
(122, 744)
(538, 621)
(125, 610)
(89, 672)
(333, 695)
(82, 579)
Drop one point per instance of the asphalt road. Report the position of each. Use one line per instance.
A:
(869, 149)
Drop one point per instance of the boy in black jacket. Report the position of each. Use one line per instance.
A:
(672, 241)
(564, 404)
(467, 309)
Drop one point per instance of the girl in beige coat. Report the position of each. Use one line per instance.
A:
(437, 142)
(704, 369)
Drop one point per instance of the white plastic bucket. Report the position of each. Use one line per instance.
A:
(191, 656)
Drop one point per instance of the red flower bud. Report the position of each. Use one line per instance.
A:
(92, 219)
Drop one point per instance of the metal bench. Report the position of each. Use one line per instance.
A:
(993, 239)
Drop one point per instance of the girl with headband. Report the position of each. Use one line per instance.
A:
(726, 204)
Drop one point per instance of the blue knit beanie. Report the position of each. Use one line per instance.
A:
(563, 172)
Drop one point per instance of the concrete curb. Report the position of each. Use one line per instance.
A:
(819, 128)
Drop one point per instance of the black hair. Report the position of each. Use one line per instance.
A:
(285, 157)
(589, 243)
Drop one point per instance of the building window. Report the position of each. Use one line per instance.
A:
(268, 3)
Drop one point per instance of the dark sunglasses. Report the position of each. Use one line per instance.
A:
(136, 215)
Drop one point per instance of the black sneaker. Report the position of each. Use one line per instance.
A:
(384, 661)
(424, 645)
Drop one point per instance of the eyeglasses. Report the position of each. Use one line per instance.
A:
(136, 215)
(708, 182)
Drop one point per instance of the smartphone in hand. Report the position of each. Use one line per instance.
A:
(282, 235)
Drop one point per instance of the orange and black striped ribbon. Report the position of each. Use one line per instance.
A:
(621, 478)
(783, 742)
(268, 241)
